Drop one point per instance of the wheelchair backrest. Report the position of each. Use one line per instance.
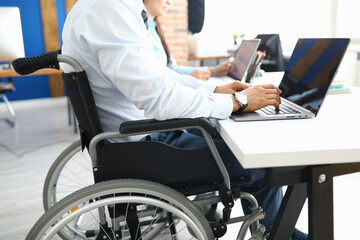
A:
(77, 87)
(82, 101)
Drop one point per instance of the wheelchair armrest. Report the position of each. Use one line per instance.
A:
(151, 125)
(147, 126)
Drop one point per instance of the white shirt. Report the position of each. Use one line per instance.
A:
(161, 54)
(110, 40)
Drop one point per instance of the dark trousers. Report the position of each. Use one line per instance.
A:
(268, 198)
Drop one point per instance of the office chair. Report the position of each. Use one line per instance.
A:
(6, 87)
(142, 189)
(274, 60)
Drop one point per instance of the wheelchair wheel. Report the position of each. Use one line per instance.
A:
(123, 209)
(71, 171)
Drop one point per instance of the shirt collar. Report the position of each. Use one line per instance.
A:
(152, 23)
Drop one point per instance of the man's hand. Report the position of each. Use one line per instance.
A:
(261, 96)
(230, 88)
(221, 70)
(201, 74)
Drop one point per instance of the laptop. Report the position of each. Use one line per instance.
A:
(243, 58)
(306, 80)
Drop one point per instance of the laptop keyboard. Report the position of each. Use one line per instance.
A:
(270, 110)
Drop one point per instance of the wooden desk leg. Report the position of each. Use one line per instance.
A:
(289, 212)
(321, 217)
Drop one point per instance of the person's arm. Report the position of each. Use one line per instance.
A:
(221, 70)
(186, 69)
(190, 81)
(259, 96)
(201, 73)
(126, 58)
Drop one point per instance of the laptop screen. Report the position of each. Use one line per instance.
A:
(311, 69)
(243, 57)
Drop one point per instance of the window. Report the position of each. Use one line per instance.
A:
(291, 19)
(347, 16)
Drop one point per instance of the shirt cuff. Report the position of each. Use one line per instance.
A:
(210, 87)
(223, 106)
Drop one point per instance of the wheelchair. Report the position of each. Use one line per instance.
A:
(135, 190)
(71, 171)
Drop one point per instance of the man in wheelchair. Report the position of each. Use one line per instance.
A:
(109, 38)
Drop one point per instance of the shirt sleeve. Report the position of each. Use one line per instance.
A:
(127, 59)
(190, 81)
(183, 69)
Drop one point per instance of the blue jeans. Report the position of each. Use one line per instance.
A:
(268, 198)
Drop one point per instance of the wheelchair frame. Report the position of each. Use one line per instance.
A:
(93, 138)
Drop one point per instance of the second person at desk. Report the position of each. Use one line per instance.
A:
(155, 9)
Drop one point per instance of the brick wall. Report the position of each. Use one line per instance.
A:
(174, 25)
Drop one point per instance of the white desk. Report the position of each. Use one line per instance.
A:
(305, 155)
(331, 137)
